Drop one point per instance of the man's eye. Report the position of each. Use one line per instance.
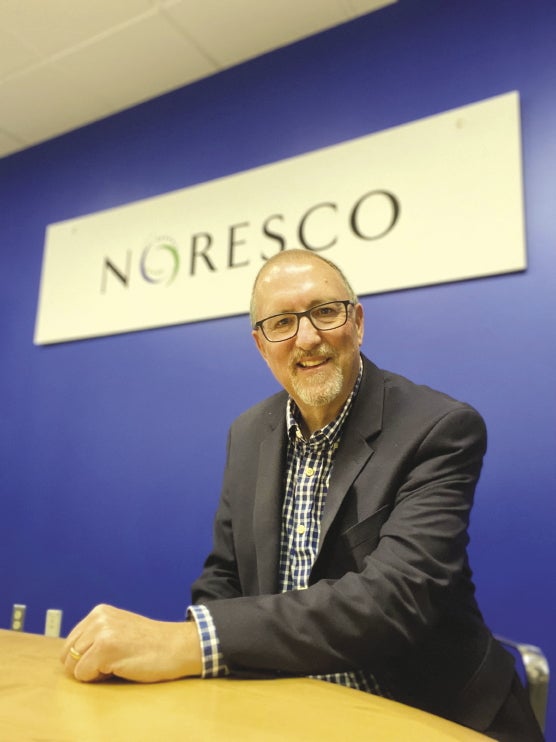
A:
(325, 313)
(282, 323)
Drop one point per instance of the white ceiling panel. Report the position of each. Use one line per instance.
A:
(141, 60)
(39, 105)
(65, 63)
(14, 55)
(9, 143)
(242, 29)
(52, 26)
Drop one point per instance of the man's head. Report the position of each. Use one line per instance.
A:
(317, 367)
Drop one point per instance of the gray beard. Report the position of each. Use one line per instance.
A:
(317, 392)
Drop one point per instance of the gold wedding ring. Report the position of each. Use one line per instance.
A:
(74, 654)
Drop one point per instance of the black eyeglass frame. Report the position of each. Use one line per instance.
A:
(307, 313)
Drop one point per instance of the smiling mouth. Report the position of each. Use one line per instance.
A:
(309, 364)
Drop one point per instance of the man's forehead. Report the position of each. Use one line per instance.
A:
(299, 290)
(311, 269)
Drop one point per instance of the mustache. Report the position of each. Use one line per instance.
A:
(323, 351)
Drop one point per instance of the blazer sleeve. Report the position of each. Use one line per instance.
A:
(400, 578)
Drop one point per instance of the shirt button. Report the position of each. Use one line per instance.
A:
(309, 471)
(301, 530)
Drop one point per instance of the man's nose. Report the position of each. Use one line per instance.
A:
(307, 335)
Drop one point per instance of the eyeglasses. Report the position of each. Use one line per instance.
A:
(328, 316)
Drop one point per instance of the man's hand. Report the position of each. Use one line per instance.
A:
(110, 641)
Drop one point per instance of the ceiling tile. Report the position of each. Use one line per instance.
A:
(45, 102)
(54, 25)
(9, 144)
(234, 32)
(14, 55)
(140, 61)
(65, 63)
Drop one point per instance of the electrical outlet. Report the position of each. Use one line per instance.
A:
(53, 622)
(18, 617)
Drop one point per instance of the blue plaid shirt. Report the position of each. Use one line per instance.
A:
(308, 468)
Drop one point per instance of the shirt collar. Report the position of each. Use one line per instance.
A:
(331, 431)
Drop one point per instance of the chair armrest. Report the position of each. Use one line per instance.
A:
(537, 675)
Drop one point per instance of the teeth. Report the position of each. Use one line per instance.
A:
(310, 364)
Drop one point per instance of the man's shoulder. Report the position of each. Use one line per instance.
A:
(403, 396)
(267, 412)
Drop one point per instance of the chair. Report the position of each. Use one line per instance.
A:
(537, 675)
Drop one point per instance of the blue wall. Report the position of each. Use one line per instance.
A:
(112, 448)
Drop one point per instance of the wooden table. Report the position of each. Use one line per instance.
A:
(39, 703)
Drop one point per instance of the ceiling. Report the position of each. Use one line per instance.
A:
(66, 63)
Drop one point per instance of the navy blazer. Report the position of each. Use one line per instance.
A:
(391, 589)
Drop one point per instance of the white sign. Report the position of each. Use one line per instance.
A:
(436, 200)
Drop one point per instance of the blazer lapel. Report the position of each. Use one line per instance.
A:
(267, 515)
(363, 423)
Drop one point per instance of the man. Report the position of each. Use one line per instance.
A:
(340, 540)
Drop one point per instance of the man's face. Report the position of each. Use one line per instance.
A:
(317, 368)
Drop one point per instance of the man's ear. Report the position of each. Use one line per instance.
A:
(359, 322)
(259, 342)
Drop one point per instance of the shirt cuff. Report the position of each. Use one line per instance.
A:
(212, 659)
